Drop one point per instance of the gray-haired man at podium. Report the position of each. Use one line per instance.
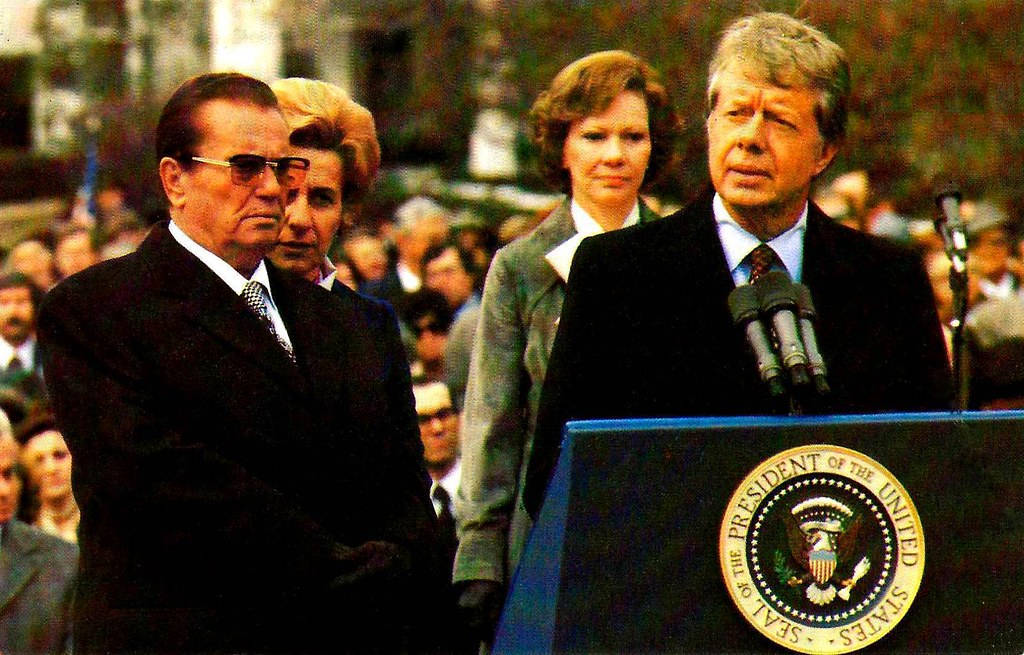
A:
(777, 100)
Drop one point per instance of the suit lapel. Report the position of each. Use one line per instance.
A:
(695, 252)
(310, 326)
(210, 304)
(821, 265)
(556, 229)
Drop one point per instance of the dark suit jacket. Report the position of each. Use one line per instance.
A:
(37, 574)
(646, 331)
(222, 487)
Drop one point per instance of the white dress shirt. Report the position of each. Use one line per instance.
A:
(235, 280)
(737, 244)
(450, 483)
(26, 354)
(327, 274)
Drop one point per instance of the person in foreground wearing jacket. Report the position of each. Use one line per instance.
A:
(247, 463)
(605, 129)
(646, 329)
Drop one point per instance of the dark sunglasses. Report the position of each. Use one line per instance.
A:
(248, 169)
(441, 415)
(433, 327)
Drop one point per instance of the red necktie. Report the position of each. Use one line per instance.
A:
(761, 259)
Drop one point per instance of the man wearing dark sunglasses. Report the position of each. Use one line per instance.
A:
(215, 413)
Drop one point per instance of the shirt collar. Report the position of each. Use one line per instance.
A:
(560, 257)
(450, 484)
(235, 280)
(26, 353)
(327, 274)
(737, 242)
(587, 226)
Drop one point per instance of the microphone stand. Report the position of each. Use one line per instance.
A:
(950, 228)
(958, 285)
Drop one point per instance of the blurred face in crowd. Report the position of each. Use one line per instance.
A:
(368, 255)
(35, 261)
(439, 425)
(445, 273)
(10, 483)
(431, 338)
(606, 155)
(110, 200)
(412, 244)
(48, 463)
(312, 215)
(237, 222)
(764, 149)
(75, 253)
(17, 315)
(991, 251)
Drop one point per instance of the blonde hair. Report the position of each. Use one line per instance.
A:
(323, 116)
(787, 52)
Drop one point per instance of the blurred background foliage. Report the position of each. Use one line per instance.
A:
(938, 84)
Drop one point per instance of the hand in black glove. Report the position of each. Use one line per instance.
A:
(480, 603)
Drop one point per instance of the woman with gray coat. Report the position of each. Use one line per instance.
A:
(605, 128)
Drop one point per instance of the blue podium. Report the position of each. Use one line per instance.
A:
(625, 555)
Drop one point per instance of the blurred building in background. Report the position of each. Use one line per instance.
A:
(938, 84)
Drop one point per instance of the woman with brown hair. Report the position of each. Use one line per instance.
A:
(605, 128)
(47, 464)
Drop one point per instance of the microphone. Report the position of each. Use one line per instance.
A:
(950, 227)
(777, 300)
(745, 310)
(808, 316)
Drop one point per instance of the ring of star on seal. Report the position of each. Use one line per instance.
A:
(822, 549)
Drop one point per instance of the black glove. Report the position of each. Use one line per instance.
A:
(480, 603)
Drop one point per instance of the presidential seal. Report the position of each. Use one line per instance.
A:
(822, 549)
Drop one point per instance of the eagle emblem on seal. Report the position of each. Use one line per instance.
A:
(822, 536)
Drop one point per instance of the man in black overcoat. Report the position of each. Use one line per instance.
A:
(246, 449)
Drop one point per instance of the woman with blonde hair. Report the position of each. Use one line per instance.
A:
(339, 138)
(389, 563)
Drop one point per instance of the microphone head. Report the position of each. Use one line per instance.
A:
(775, 291)
(803, 301)
(743, 304)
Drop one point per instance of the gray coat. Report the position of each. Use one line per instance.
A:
(37, 573)
(519, 314)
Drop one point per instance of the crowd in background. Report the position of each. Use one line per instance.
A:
(429, 261)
